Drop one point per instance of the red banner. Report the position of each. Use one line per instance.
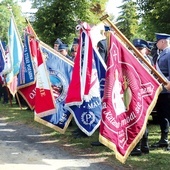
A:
(44, 101)
(130, 95)
(28, 94)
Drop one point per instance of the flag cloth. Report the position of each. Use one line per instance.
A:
(26, 77)
(2, 62)
(2, 57)
(16, 53)
(8, 65)
(130, 95)
(26, 74)
(29, 94)
(44, 99)
(59, 71)
(83, 98)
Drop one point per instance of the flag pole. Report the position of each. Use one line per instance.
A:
(45, 45)
(31, 27)
(106, 20)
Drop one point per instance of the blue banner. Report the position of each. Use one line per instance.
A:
(60, 74)
(2, 53)
(26, 72)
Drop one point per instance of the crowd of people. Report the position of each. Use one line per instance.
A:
(62, 48)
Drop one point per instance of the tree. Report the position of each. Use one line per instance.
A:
(59, 18)
(5, 15)
(127, 21)
(155, 14)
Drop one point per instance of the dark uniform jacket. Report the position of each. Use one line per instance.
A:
(163, 63)
(102, 48)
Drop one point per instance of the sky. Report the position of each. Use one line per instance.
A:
(112, 7)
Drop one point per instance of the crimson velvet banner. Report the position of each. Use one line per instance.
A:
(130, 94)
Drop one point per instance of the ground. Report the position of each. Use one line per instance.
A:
(24, 148)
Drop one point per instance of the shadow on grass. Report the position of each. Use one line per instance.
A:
(156, 159)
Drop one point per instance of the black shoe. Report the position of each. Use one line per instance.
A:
(83, 135)
(136, 152)
(79, 134)
(160, 144)
(167, 149)
(97, 143)
(76, 132)
(145, 149)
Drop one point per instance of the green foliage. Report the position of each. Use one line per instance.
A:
(58, 19)
(127, 22)
(155, 16)
(5, 14)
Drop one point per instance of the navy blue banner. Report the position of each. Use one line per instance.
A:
(26, 75)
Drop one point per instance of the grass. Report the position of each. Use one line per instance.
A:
(156, 159)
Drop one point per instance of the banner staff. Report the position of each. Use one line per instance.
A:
(122, 37)
(45, 45)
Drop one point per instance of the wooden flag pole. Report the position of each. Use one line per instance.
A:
(106, 20)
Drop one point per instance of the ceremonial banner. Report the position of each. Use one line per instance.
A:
(29, 94)
(16, 53)
(59, 70)
(2, 56)
(83, 96)
(26, 77)
(8, 65)
(44, 99)
(130, 95)
(26, 72)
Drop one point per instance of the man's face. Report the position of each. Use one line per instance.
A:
(160, 44)
(144, 51)
(63, 52)
(56, 47)
(75, 47)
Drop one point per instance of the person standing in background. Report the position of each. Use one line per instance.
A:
(57, 43)
(163, 102)
(142, 146)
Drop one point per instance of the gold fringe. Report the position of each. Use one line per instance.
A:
(112, 146)
(56, 128)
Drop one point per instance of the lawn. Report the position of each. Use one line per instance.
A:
(156, 159)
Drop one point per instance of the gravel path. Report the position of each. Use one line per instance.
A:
(24, 148)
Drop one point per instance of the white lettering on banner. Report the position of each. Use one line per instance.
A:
(32, 94)
(63, 118)
(30, 73)
(27, 60)
(128, 119)
(40, 82)
(93, 105)
(139, 96)
(138, 107)
(111, 119)
(123, 122)
(147, 90)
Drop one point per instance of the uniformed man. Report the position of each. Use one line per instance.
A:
(144, 49)
(63, 49)
(74, 48)
(163, 102)
(57, 43)
(102, 44)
